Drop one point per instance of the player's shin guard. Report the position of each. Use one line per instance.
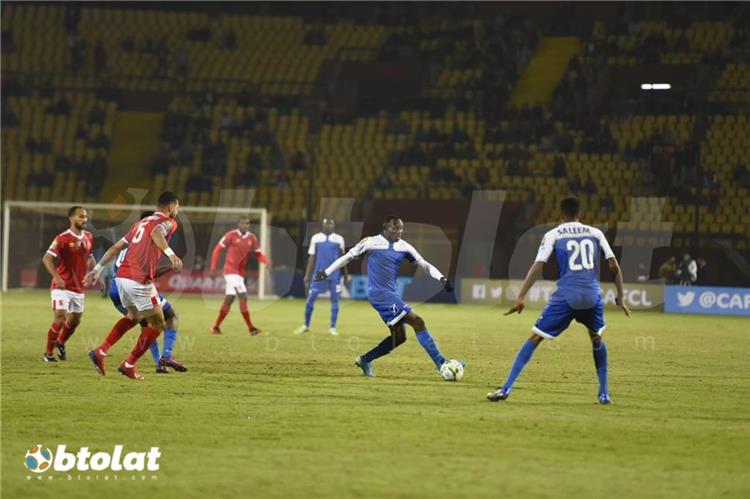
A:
(120, 328)
(428, 343)
(246, 314)
(170, 338)
(66, 332)
(223, 311)
(147, 337)
(309, 306)
(385, 347)
(52, 334)
(600, 361)
(522, 358)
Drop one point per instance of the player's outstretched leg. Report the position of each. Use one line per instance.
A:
(149, 334)
(242, 297)
(170, 338)
(309, 307)
(223, 311)
(334, 308)
(600, 362)
(522, 358)
(386, 346)
(98, 354)
(425, 338)
(71, 323)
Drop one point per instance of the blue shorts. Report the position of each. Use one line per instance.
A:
(320, 287)
(390, 307)
(115, 297)
(558, 313)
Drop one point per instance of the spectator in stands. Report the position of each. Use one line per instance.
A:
(182, 62)
(63, 163)
(100, 141)
(741, 175)
(247, 177)
(9, 118)
(574, 184)
(200, 263)
(607, 204)
(186, 152)
(72, 18)
(590, 186)
(482, 176)
(704, 273)
(687, 271)
(61, 107)
(227, 122)
(559, 168)
(668, 270)
(299, 163)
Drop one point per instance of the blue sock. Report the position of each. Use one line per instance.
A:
(334, 312)
(170, 338)
(523, 356)
(428, 343)
(385, 347)
(600, 361)
(154, 348)
(309, 307)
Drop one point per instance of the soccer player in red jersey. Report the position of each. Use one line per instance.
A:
(72, 249)
(146, 240)
(239, 243)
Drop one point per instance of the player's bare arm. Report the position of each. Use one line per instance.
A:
(309, 269)
(614, 267)
(157, 236)
(93, 275)
(533, 275)
(49, 263)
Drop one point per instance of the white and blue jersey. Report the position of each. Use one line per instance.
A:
(578, 296)
(114, 295)
(326, 249)
(384, 258)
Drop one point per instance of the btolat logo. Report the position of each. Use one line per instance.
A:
(40, 459)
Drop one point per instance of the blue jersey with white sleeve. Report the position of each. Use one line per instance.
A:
(384, 258)
(577, 248)
(326, 249)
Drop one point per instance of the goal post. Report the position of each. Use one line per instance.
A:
(28, 227)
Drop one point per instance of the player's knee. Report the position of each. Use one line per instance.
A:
(595, 339)
(399, 335)
(418, 324)
(229, 299)
(143, 323)
(73, 321)
(242, 297)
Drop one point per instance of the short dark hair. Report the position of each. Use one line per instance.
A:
(146, 213)
(571, 207)
(166, 198)
(243, 217)
(73, 209)
(390, 218)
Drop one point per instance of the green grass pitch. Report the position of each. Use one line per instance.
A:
(282, 416)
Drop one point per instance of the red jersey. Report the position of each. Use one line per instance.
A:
(72, 253)
(143, 255)
(238, 248)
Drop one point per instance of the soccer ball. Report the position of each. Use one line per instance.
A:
(38, 459)
(452, 370)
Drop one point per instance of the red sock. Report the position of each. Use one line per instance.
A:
(67, 332)
(147, 337)
(121, 327)
(52, 333)
(223, 311)
(246, 314)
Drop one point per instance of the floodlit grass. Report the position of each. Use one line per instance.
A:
(282, 416)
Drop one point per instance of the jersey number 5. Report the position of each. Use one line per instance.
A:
(139, 233)
(584, 249)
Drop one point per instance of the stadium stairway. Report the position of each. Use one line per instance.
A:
(540, 77)
(135, 142)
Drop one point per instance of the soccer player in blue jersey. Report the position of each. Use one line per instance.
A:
(325, 248)
(166, 359)
(578, 295)
(385, 252)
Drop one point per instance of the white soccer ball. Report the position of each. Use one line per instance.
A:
(452, 370)
(38, 459)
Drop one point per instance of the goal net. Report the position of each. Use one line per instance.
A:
(29, 227)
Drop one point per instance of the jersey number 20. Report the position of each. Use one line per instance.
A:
(584, 249)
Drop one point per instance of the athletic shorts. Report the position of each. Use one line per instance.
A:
(114, 295)
(134, 294)
(320, 287)
(235, 284)
(390, 307)
(558, 313)
(72, 302)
